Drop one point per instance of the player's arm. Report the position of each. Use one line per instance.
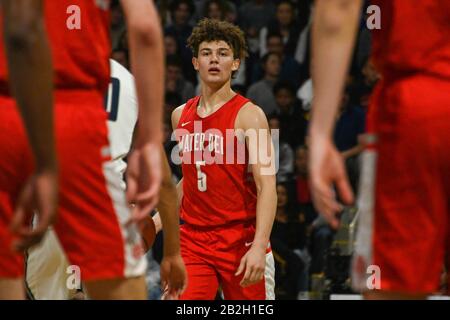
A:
(147, 64)
(31, 83)
(262, 160)
(173, 272)
(352, 151)
(157, 217)
(168, 210)
(168, 214)
(176, 115)
(175, 118)
(333, 35)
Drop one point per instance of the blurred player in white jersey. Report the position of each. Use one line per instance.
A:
(48, 274)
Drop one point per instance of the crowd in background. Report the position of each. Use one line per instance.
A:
(275, 76)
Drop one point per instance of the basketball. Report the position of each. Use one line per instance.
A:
(147, 230)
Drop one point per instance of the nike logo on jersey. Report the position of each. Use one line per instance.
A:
(185, 123)
(248, 244)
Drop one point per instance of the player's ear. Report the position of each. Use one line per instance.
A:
(236, 64)
(195, 63)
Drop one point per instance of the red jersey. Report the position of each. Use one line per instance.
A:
(217, 186)
(414, 37)
(78, 32)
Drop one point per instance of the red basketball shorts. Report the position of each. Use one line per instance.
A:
(212, 257)
(92, 208)
(404, 200)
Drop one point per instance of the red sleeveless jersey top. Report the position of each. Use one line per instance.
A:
(78, 31)
(414, 37)
(218, 188)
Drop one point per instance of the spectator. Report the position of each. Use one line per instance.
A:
(121, 56)
(349, 127)
(238, 88)
(288, 240)
(181, 12)
(303, 193)
(303, 47)
(231, 14)
(171, 44)
(215, 9)
(284, 156)
(290, 69)
(172, 100)
(123, 41)
(261, 92)
(175, 81)
(285, 23)
(292, 122)
(253, 16)
(117, 23)
(301, 178)
(321, 236)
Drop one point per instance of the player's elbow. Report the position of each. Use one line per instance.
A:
(146, 31)
(333, 16)
(168, 190)
(266, 184)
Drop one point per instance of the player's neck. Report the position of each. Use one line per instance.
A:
(213, 98)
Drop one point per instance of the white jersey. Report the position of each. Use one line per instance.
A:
(121, 105)
(47, 275)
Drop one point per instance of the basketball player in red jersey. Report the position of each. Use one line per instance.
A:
(228, 211)
(94, 217)
(28, 53)
(404, 203)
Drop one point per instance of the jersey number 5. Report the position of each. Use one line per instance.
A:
(201, 176)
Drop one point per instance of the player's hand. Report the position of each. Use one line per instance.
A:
(254, 265)
(40, 196)
(143, 179)
(173, 276)
(326, 170)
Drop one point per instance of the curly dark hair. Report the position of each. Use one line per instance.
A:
(214, 30)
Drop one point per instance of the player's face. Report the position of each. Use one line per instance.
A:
(215, 62)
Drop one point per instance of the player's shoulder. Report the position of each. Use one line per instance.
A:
(251, 108)
(250, 115)
(178, 110)
(176, 115)
(190, 102)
